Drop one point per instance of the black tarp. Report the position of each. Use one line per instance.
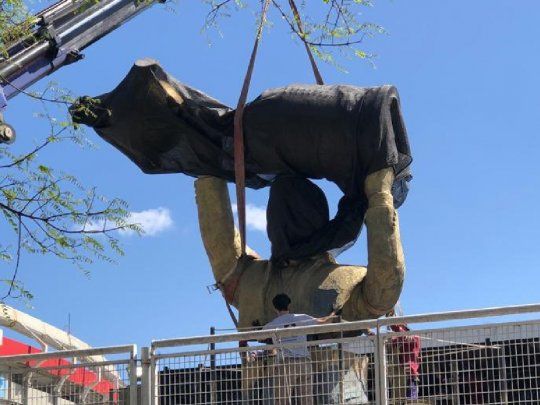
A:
(299, 224)
(337, 132)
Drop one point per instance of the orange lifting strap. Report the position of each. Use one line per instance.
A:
(239, 166)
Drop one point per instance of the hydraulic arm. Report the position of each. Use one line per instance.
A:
(59, 34)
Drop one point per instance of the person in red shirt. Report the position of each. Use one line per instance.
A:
(404, 362)
(407, 350)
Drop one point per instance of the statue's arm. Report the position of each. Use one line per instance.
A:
(220, 237)
(381, 288)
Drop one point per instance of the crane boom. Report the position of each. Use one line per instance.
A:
(60, 33)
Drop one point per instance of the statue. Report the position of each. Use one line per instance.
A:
(317, 285)
(354, 137)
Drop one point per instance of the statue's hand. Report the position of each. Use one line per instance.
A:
(90, 111)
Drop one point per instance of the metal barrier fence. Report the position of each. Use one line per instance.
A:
(71, 377)
(369, 362)
(487, 363)
(335, 366)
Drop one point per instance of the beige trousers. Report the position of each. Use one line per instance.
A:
(293, 381)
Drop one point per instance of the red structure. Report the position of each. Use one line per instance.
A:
(79, 376)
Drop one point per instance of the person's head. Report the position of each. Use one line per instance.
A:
(281, 302)
(399, 328)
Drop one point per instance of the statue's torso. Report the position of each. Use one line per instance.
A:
(316, 287)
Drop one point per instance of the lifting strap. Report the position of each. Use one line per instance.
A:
(302, 35)
(239, 167)
(239, 157)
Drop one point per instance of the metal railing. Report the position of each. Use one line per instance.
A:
(489, 363)
(475, 360)
(333, 366)
(71, 377)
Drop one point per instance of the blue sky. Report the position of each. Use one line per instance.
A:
(467, 73)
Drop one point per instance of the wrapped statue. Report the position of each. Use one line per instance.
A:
(352, 136)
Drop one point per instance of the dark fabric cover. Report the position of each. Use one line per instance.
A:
(339, 133)
(298, 220)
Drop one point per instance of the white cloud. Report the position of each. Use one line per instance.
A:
(255, 217)
(152, 221)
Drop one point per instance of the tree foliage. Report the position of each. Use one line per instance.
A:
(49, 212)
(15, 23)
(327, 28)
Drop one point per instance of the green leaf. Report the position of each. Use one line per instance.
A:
(361, 54)
(44, 169)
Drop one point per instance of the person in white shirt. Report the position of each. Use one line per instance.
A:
(292, 369)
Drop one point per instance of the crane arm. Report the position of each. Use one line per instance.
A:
(59, 34)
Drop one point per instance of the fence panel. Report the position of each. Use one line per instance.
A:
(473, 364)
(70, 377)
(485, 364)
(274, 367)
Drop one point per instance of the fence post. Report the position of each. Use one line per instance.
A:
(146, 385)
(503, 377)
(381, 366)
(154, 379)
(10, 385)
(377, 368)
(213, 379)
(26, 383)
(133, 377)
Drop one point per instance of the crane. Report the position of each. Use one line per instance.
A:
(57, 37)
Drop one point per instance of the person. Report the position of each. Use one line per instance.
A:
(292, 369)
(316, 284)
(405, 353)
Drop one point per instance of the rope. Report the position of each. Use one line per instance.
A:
(231, 314)
(239, 166)
(228, 305)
